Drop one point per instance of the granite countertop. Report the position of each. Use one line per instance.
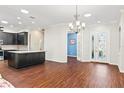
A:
(21, 52)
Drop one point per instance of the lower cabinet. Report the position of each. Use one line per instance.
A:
(6, 54)
(19, 60)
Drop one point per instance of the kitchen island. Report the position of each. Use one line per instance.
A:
(19, 59)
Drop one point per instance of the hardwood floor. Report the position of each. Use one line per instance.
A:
(72, 74)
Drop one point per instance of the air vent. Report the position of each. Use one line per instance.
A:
(32, 17)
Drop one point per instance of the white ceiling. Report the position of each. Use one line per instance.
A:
(54, 14)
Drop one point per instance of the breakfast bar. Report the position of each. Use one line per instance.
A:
(19, 59)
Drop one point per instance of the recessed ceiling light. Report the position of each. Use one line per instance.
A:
(24, 11)
(98, 21)
(4, 22)
(18, 17)
(32, 22)
(19, 22)
(87, 15)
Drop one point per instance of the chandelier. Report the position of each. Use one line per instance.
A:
(76, 25)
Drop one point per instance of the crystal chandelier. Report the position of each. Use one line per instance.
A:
(76, 25)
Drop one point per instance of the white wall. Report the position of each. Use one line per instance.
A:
(83, 53)
(121, 58)
(79, 45)
(114, 44)
(86, 45)
(55, 43)
(36, 40)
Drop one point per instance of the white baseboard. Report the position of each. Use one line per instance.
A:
(121, 70)
(113, 64)
(56, 61)
(85, 60)
(71, 56)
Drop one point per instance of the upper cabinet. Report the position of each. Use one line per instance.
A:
(22, 38)
(7, 38)
(14, 38)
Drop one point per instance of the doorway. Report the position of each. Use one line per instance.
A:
(72, 46)
(100, 46)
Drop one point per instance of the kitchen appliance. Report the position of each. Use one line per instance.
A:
(1, 28)
(1, 54)
(1, 42)
(1, 51)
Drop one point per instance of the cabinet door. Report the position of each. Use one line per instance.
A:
(42, 57)
(3, 37)
(5, 54)
(14, 39)
(7, 38)
(21, 60)
(22, 38)
(25, 38)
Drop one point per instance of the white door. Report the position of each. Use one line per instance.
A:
(100, 46)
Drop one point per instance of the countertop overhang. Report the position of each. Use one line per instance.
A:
(21, 52)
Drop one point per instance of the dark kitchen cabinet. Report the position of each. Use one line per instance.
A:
(14, 38)
(19, 60)
(22, 38)
(7, 38)
(2, 36)
(6, 54)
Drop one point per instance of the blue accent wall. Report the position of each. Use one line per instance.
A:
(72, 44)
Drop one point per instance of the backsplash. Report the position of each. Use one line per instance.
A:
(14, 47)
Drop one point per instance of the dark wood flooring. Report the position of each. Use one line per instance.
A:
(74, 74)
